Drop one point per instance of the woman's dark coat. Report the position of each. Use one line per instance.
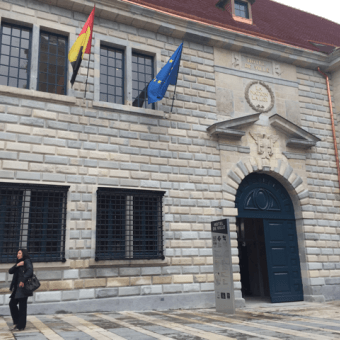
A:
(20, 274)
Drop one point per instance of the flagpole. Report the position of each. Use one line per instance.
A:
(173, 98)
(88, 66)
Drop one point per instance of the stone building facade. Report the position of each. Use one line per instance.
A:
(244, 104)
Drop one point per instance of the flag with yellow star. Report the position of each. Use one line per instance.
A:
(166, 76)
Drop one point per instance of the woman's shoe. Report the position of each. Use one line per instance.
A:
(15, 328)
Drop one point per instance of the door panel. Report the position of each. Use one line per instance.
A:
(283, 261)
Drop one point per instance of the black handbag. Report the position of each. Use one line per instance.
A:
(31, 284)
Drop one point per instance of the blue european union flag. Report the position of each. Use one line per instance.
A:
(167, 75)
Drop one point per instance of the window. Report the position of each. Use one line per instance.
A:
(32, 217)
(241, 9)
(52, 74)
(111, 75)
(15, 52)
(129, 224)
(142, 74)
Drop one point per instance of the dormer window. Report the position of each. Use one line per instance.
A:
(241, 9)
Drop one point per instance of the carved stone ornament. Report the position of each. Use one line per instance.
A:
(265, 144)
(259, 96)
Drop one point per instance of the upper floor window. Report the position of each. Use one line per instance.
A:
(52, 74)
(241, 9)
(15, 53)
(129, 224)
(32, 217)
(111, 75)
(142, 74)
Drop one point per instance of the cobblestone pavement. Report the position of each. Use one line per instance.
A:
(259, 321)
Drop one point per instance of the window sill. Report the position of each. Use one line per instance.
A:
(129, 263)
(37, 95)
(244, 20)
(129, 109)
(40, 265)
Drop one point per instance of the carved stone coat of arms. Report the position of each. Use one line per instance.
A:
(265, 144)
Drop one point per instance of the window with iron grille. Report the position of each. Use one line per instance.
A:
(52, 74)
(129, 224)
(32, 217)
(142, 74)
(241, 9)
(111, 75)
(15, 55)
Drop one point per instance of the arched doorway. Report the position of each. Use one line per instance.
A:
(267, 240)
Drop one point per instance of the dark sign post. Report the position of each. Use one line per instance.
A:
(223, 267)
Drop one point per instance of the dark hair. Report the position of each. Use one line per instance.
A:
(25, 255)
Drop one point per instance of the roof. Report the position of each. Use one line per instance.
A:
(271, 20)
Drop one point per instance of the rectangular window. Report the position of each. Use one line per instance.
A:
(129, 224)
(32, 217)
(142, 74)
(52, 74)
(15, 55)
(241, 9)
(111, 75)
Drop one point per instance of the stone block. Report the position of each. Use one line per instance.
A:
(2, 277)
(87, 273)
(159, 280)
(47, 296)
(28, 176)
(183, 278)
(49, 275)
(139, 281)
(151, 271)
(106, 292)
(86, 294)
(70, 295)
(126, 291)
(93, 283)
(149, 290)
(172, 289)
(194, 287)
(61, 285)
(129, 271)
(317, 281)
(118, 282)
(207, 286)
(71, 274)
(171, 270)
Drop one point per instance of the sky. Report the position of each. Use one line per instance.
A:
(329, 9)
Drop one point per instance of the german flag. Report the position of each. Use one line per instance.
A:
(81, 46)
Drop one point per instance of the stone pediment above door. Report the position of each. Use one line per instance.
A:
(296, 136)
(233, 129)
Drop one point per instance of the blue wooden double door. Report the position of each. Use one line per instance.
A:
(267, 240)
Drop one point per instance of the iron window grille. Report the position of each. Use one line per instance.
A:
(15, 55)
(241, 9)
(52, 74)
(111, 75)
(142, 74)
(129, 224)
(33, 217)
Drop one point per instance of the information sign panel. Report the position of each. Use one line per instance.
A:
(223, 267)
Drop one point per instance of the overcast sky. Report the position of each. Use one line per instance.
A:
(329, 9)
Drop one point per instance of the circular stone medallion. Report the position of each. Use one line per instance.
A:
(259, 96)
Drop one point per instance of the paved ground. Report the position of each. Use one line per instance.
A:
(257, 321)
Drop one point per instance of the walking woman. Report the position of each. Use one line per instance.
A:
(21, 271)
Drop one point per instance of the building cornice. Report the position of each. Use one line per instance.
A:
(141, 16)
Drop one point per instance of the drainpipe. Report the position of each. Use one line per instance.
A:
(333, 125)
